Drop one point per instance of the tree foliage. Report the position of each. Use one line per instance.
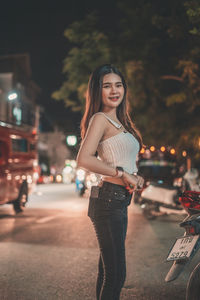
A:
(89, 49)
(157, 46)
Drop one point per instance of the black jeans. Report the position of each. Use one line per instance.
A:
(108, 212)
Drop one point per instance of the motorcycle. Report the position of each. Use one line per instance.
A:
(185, 247)
(160, 197)
(191, 180)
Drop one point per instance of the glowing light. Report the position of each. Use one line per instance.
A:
(184, 153)
(80, 174)
(152, 148)
(13, 136)
(93, 177)
(34, 131)
(172, 151)
(71, 140)
(73, 164)
(162, 148)
(142, 150)
(67, 170)
(58, 178)
(12, 96)
(35, 163)
(29, 179)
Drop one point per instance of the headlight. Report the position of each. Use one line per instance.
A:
(80, 174)
(58, 178)
(67, 170)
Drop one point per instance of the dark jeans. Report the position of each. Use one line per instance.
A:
(108, 212)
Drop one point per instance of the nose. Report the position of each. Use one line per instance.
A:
(113, 89)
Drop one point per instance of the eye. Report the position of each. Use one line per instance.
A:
(106, 86)
(119, 85)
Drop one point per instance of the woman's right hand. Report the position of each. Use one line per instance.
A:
(132, 181)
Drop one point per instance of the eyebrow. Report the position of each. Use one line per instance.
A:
(112, 82)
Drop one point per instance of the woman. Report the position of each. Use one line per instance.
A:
(107, 130)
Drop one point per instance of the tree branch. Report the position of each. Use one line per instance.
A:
(172, 77)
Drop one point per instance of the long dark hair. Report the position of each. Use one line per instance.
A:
(94, 101)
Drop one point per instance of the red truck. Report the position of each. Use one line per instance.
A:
(18, 164)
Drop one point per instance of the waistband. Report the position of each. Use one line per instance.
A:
(111, 186)
(108, 188)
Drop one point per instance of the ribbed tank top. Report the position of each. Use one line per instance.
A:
(119, 150)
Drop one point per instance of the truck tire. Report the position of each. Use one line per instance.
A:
(20, 202)
(193, 285)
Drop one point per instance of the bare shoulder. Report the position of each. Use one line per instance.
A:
(97, 127)
(95, 131)
(98, 119)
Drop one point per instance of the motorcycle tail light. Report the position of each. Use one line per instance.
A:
(190, 230)
(190, 200)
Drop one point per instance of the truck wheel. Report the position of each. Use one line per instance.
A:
(193, 285)
(20, 202)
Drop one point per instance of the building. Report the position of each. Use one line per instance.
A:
(18, 92)
(53, 151)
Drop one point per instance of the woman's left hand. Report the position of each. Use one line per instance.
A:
(133, 182)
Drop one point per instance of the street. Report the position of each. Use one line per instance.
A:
(50, 251)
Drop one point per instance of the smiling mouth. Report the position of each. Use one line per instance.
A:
(114, 98)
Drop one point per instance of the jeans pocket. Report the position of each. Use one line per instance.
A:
(97, 207)
(117, 200)
(92, 207)
(113, 203)
(119, 196)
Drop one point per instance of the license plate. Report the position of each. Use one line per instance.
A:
(183, 247)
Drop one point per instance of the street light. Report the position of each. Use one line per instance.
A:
(12, 96)
(71, 140)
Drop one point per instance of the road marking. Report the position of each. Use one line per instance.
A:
(47, 219)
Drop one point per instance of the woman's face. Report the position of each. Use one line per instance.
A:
(112, 91)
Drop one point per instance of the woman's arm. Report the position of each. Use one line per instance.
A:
(86, 156)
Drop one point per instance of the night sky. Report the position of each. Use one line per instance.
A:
(37, 27)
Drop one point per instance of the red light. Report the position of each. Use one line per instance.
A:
(190, 230)
(34, 131)
(190, 199)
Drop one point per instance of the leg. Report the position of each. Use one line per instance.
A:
(104, 236)
(111, 237)
(121, 274)
(99, 278)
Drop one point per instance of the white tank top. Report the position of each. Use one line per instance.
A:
(119, 150)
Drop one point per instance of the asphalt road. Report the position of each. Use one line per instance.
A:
(50, 251)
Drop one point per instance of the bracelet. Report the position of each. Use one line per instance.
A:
(119, 172)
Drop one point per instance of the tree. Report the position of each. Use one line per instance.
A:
(90, 48)
(157, 47)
